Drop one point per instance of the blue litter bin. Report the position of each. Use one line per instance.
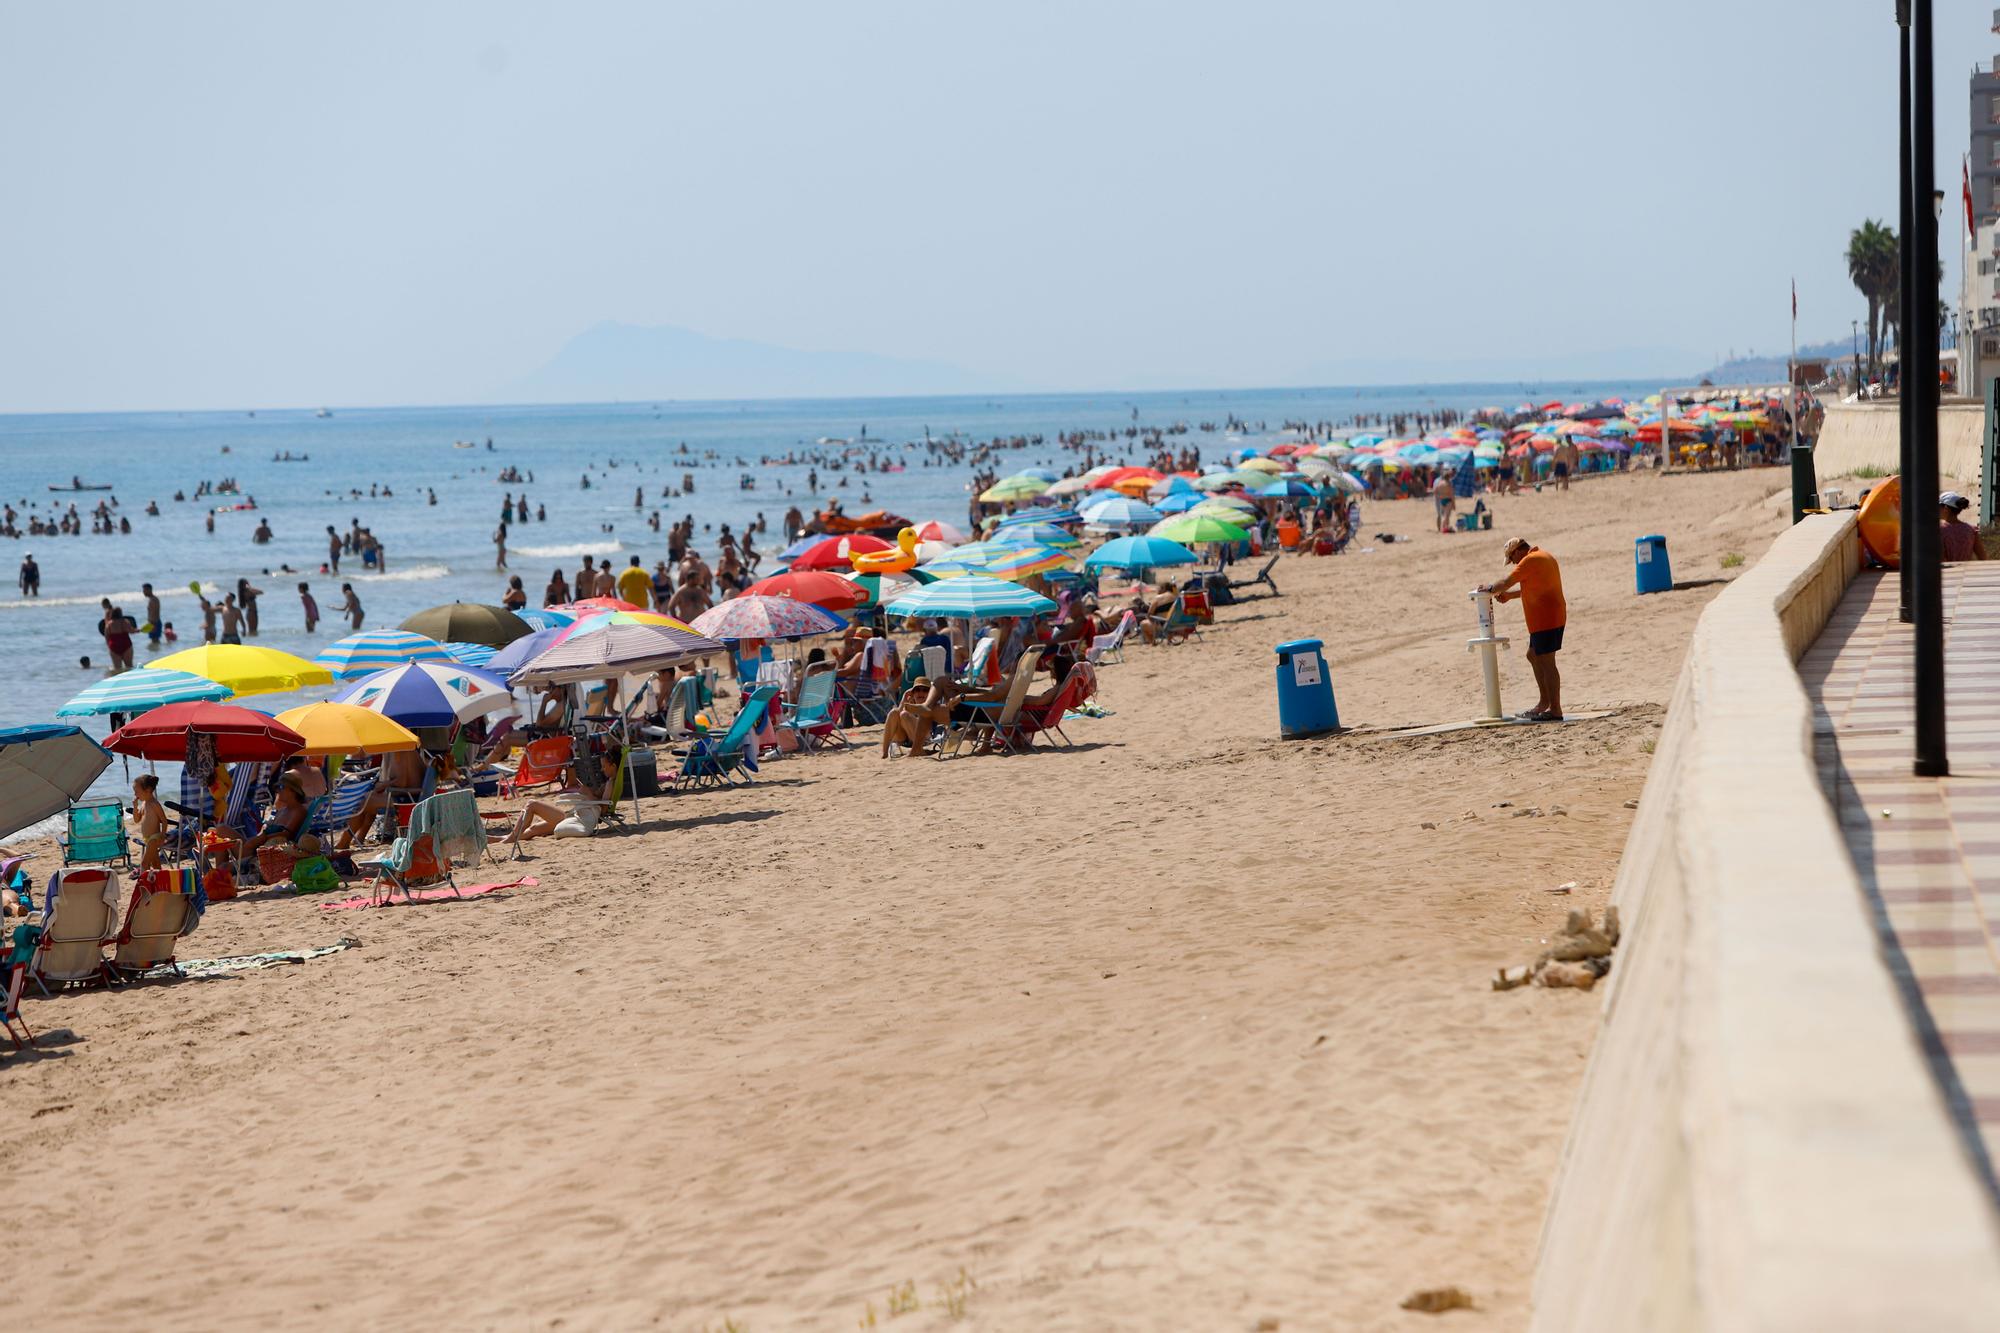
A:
(1649, 558)
(1305, 691)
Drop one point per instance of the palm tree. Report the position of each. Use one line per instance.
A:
(1872, 262)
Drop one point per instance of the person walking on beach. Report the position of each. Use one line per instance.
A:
(310, 606)
(1565, 462)
(31, 576)
(1443, 501)
(1537, 580)
(350, 605)
(155, 627)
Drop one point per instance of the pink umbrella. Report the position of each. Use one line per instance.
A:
(753, 616)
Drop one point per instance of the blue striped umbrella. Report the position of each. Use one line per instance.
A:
(1139, 553)
(375, 650)
(1031, 534)
(546, 619)
(1120, 511)
(471, 654)
(137, 691)
(974, 597)
(1063, 515)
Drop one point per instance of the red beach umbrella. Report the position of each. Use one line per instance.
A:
(833, 552)
(241, 734)
(1105, 481)
(822, 589)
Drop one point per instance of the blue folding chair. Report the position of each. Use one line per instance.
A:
(812, 716)
(712, 763)
(96, 834)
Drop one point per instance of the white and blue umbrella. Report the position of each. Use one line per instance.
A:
(471, 654)
(137, 691)
(1121, 511)
(973, 597)
(546, 618)
(1180, 502)
(1032, 534)
(1144, 552)
(43, 769)
(425, 694)
(372, 650)
(1048, 474)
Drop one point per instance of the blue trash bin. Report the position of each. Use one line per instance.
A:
(1649, 558)
(1305, 691)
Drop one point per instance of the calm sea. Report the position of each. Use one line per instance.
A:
(443, 552)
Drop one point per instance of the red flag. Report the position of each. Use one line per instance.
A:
(1795, 300)
(1971, 230)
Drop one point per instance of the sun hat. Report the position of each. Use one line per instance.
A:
(1954, 499)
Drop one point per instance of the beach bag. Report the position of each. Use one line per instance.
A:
(314, 874)
(219, 884)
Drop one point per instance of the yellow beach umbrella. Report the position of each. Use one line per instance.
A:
(245, 670)
(331, 728)
(1261, 465)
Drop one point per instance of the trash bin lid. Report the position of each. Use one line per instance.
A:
(1298, 646)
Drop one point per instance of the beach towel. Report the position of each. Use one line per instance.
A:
(251, 962)
(452, 820)
(431, 895)
(1465, 479)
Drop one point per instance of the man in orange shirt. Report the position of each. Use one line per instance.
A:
(1537, 581)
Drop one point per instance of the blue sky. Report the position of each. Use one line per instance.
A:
(253, 204)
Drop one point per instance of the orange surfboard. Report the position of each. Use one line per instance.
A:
(1881, 521)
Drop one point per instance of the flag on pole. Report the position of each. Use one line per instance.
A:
(1795, 300)
(1965, 165)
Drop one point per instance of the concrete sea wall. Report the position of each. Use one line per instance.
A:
(1865, 435)
(1758, 1143)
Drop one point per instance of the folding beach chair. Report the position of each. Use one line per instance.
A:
(443, 829)
(244, 812)
(16, 947)
(96, 834)
(996, 715)
(716, 763)
(1262, 576)
(683, 703)
(1078, 686)
(165, 905)
(1179, 625)
(975, 666)
(812, 716)
(542, 764)
(1106, 649)
(79, 918)
(336, 810)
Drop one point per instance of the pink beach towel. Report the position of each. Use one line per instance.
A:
(431, 895)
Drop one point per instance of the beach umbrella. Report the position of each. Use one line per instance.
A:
(1047, 474)
(800, 547)
(1264, 465)
(371, 650)
(831, 553)
(1122, 511)
(1013, 488)
(1228, 508)
(242, 735)
(590, 606)
(471, 654)
(42, 769)
(506, 661)
(137, 691)
(757, 617)
(1178, 503)
(1315, 466)
(879, 588)
(330, 728)
(1032, 534)
(1013, 564)
(819, 587)
(245, 670)
(468, 622)
(1145, 552)
(616, 650)
(1106, 480)
(1283, 487)
(606, 619)
(1058, 514)
(975, 597)
(1174, 485)
(546, 617)
(424, 694)
(1351, 485)
(1216, 481)
(1069, 486)
(1196, 529)
(939, 531)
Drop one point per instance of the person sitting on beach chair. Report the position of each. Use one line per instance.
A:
(576, 811)
(405, 774)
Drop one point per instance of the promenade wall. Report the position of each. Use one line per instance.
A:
(1758, 1143)
(1865, 435)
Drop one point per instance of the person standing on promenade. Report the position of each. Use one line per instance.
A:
(1957, 539)
(1537, 580)
(31, 576)
(155, 627)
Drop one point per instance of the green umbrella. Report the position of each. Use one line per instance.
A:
(469, 622)
(1014, 488)
(1194, 529)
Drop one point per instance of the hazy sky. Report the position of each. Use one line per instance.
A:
(258, 204)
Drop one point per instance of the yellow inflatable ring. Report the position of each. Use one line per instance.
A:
(888, 562)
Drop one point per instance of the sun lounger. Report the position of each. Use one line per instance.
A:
(96, 834)
(1262, 576)
(165, 905)
(997, 715)
(78, 920)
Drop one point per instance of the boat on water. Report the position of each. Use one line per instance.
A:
(322, 414)
(77, 484)
(463, 444)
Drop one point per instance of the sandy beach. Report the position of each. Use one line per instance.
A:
(1186, 1028)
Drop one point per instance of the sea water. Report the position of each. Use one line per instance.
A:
(444, 552)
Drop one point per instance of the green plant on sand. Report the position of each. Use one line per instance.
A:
(1732, 559)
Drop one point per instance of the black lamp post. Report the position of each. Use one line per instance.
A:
(1920, 395)
(1906, 286)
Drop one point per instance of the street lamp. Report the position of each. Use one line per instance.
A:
(1922, 573)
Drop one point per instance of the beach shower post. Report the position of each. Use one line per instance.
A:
(1488, 646)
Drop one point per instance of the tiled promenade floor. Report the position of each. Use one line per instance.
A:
(1928, 849)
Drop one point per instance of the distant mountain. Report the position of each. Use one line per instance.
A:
(613, 362)
(1771, 369)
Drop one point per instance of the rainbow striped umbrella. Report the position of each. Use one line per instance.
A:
(1012, 563)
(373, 650)
(604, 620)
